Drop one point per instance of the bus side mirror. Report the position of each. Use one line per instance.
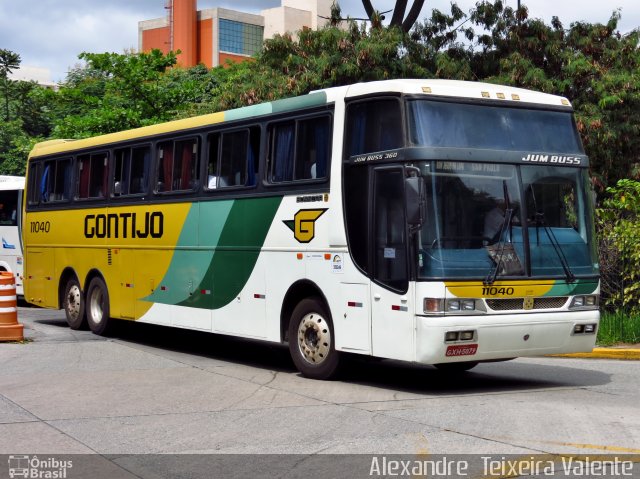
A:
(415, 201)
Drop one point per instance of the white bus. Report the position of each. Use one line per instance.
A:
(11, 260)
(431, 221)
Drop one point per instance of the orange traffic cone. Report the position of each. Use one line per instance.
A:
(10, 330)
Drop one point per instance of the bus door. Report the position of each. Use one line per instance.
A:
(391, 308)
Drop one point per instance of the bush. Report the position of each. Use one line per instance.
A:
(618, 225)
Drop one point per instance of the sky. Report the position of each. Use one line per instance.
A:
(50, 34)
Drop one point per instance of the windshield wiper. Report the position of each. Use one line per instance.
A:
(556, 246)
(506, 225)
(512, 256)
(552, 239)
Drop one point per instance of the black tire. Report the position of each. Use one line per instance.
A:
(456, 367)
(311, 340)
(97, 307)
(73, 303)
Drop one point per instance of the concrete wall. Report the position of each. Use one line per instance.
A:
(317, 8)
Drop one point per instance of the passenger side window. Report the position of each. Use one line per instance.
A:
(233, 158)
(373, 125)
(92, 175)
(33, 187)
(131, 171)
(177, 165)
(55, 183)
(299, 149)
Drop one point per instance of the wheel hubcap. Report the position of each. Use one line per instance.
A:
(73, 302)
(314, 338)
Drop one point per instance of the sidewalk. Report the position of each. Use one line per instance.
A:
(626, 352)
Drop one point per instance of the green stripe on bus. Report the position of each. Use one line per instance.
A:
(248, 112)
(580, 286)
(237, 252)
(204, 221)
(278, 106)
(296, 103)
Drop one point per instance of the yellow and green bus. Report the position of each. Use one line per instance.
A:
(432, 221)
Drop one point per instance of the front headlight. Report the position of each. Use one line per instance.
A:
(589, 301)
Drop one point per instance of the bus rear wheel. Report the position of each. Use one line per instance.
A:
(98, 307)
(74, 305)
(311, 340)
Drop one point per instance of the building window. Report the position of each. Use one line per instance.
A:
(240, 38)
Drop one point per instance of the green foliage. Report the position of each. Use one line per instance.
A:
(619, 231)
(593, 65)
(25, 116)
(9, 61)
(618, 327)
(318, 59)
(115, 92)
(15, 145)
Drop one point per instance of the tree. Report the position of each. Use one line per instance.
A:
(318, 59)
(9, 61)
(398, 18)
(596, 67)
(115, 92)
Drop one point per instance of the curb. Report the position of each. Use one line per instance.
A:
(605, 353)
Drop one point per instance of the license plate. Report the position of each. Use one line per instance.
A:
(462, 350)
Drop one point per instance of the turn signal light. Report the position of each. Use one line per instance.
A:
(433, 305)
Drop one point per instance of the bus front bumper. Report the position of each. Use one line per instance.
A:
(504, 336)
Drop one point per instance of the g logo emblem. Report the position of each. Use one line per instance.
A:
(303, 224)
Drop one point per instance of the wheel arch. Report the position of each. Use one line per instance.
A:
(297, 292)
(93, 273)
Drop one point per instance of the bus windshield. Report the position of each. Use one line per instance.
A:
(514, 221)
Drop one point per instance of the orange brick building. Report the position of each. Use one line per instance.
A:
(215, 35)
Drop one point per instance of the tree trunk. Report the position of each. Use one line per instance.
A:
(413, 15)
(368, 8)
(398, 12)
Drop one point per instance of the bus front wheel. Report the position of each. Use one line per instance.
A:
(311, 340)
(74, 305)
(98, 307)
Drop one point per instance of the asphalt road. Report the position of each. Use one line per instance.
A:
(154, 390)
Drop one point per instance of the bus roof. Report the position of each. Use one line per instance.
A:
(11, 182)
(458, 89)
(446, 88)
